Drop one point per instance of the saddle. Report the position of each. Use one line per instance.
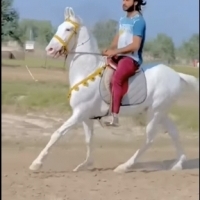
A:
(113, 62)
(111, 67)
(134, 90)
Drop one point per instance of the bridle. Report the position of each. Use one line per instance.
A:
(64, 44)
(64, 50)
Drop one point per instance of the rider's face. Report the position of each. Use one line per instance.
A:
(127, 4)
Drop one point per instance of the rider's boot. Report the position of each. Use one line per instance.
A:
(114, 121)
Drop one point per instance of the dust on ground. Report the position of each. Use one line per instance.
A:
(23, 137)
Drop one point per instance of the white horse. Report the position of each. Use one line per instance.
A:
(164, 85)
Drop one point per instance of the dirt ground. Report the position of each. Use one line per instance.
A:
(23, 137)
(40, 74)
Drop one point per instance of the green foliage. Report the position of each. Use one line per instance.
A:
(9, 22)
(19, 31)
(42, 31)
(190, 48)
(162, 47)
(104, 32)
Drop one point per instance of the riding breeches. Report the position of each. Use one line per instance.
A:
(126, 68)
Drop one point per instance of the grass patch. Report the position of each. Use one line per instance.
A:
(187, 117)
(35, 96)
(39, 61)
(187, 70)
(51, 97)
(24, 95)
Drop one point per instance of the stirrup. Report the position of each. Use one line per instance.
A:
(111, 124)
(114, 122)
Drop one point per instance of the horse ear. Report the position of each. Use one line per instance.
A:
(71, 12)
(66, 13)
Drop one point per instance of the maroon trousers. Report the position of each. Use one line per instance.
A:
(126, 67)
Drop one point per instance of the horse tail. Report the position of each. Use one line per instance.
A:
(190, 81)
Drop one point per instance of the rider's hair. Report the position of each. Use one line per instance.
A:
(139, 5)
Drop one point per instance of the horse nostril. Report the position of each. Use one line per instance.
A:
(50, 49)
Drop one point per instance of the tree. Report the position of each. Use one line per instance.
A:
(148, 46)
(42, 31)
(9, 22)
(162, 47)
(190, 48)
(104, 32)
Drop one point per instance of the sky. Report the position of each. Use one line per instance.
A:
(177, 18)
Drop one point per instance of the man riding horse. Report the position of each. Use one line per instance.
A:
(125, 52)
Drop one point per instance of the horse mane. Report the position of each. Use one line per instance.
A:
(79, 20)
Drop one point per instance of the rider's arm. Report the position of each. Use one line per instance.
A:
(114, 42)
(138, 32)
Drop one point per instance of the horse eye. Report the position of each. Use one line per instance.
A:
(68, 29)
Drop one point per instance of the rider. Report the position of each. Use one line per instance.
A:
(126, 51)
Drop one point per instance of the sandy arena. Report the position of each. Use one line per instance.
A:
(25, 136)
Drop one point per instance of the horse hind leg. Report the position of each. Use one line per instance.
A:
(170, 127)
(88, 162)
(151, 132)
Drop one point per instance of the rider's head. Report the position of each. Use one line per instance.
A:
(133, 5)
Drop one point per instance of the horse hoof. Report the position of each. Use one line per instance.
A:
(177, 167)
(83, 166)
(120, 169)
(35, 166)
(179, 164)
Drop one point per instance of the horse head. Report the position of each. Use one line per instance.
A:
(66, 35)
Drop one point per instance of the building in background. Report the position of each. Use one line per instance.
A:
(30, 44)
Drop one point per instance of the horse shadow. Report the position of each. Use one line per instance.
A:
(154, 166)
(191, 164)
(145, 167)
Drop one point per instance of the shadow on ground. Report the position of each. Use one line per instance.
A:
(153, 166)
(166, 165)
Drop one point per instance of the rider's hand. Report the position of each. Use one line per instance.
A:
(104, 52)
(111, 52)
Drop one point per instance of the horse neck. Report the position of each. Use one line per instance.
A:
(82, 65)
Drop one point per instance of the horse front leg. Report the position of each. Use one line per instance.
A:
(68, 125)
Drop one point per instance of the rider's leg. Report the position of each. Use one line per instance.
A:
(112, 65)
(107, 81)
(108, 76)
(125, 69)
